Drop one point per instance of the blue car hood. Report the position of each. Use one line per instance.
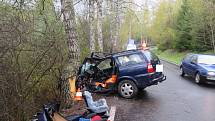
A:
(208, 67)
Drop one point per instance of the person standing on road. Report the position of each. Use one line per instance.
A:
(131, 45)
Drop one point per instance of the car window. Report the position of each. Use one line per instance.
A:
(188, 57)
(206, 59)
(86, 66)
(150, 56)
(193, 59)
(106, 64)
(130, 59)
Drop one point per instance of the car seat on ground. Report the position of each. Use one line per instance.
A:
(99, 106)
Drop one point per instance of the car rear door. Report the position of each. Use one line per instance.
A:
(193, 65)
(186, 64)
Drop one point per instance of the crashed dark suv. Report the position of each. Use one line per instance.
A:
(126, 72)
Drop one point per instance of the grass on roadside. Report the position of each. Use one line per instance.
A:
(175, 57)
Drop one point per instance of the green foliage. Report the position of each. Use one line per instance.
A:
(136, 27)
(192, 27)
(174, 56)
(184, 25)
(162, 30)
(83, 32)
(171, 55)
(32, 56)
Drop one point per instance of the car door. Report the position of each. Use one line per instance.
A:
(193, 65)
(186, 64)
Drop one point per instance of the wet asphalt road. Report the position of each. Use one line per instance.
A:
(176, 99)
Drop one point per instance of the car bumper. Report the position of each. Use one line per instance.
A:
(206, 79)
(210, 78)
(153, 81)
(156, 80)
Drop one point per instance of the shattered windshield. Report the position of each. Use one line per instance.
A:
(87, 66)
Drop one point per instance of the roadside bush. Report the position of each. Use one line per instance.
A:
(32, 56)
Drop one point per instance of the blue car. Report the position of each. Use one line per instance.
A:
(133, 70)
(199, 66)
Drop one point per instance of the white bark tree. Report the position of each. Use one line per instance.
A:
(111, 19)
(117, 25)
(99, 24)
(114, 24)
(67, 9)
(210, 19)
(91, 24)
(212, 36)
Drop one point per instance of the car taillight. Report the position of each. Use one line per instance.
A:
(150, 68)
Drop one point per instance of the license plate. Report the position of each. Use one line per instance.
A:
(159, 68)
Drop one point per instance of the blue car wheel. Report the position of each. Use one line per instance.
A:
(182, 71)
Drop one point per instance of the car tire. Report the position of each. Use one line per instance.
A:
(198, 78)
(127, 89)
(182, 71)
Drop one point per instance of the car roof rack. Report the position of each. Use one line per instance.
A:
(103, 55)
(100, 55)
(133, 50)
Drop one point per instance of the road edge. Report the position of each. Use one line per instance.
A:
(173, 63)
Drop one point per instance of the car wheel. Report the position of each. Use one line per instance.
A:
(182, 71)
(198, 78)
(127, 89)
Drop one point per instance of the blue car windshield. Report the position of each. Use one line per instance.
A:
(206, 59)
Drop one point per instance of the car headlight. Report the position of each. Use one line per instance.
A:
(211, 73)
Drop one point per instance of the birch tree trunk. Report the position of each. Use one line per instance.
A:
(114, 24)
(99, 24)
(91, 24)
(212, 36)
(211, 8)
(70, 29)
(117, 24)
(111, 23)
